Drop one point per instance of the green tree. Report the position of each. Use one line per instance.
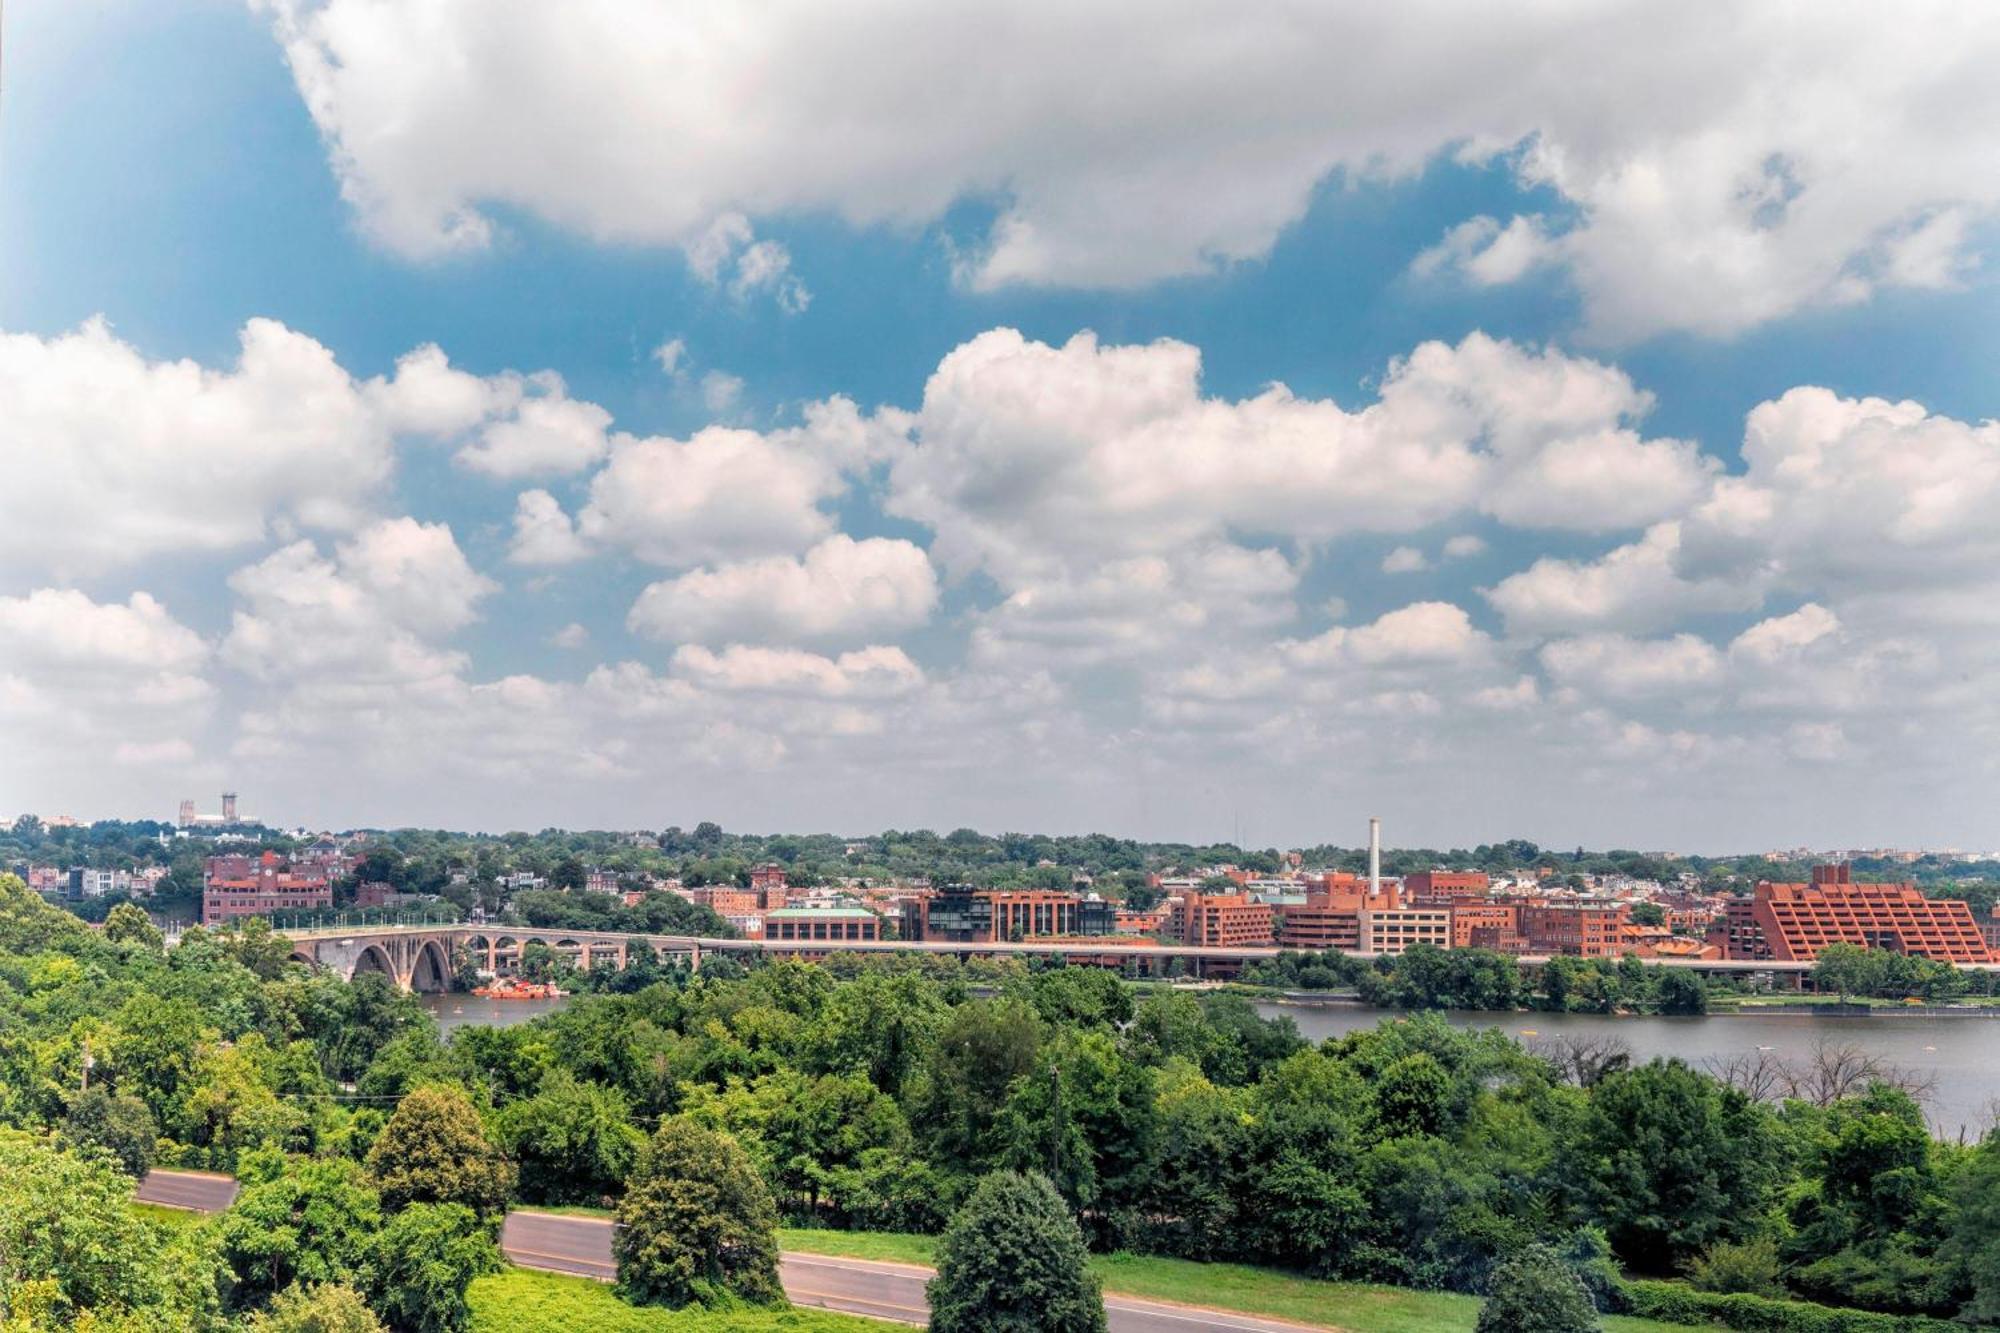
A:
(422, 1262)
(312, 1223)
(67, 1229)
(1847, 969)
(572, 1140)
(329, 1307)
(1669, 1162)
(435, 1150)
(1013, 1261)
(697, 1223)
(1536, 1292)
(255, 945)
(119, 1124)
(127, 923)
(1412, 1096)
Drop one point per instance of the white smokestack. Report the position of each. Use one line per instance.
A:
(1374, 856)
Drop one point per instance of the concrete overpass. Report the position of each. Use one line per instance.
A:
(420, 957)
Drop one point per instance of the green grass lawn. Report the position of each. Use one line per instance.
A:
(170, 1219)
(1350, 1306)
(522, 1301)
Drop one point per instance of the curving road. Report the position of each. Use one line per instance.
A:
(581, 1247)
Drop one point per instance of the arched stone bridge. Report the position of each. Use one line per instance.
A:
(420, 958)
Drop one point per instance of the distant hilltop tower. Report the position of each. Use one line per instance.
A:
(187, 813)
(229, 807)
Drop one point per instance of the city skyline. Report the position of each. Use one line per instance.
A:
(1598, 461)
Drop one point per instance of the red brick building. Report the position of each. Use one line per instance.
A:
(1446, 884)
(1793, 922)
(1481, 923)
(234, 886)
(1221, 920)
(1330, 917)
(1580, 929)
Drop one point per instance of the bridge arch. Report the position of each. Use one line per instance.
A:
(430, 969)
(374, 958)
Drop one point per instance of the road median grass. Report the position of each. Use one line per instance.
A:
(521, 1300)
(1351, 1307)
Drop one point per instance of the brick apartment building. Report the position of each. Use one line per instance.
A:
(1579, 929)
(234, 886)
(1483, 923)
(1793, 922)
(1221, 920)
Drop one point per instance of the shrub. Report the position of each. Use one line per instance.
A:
(327, 1308)
(1748, 1269)
(1678, 1303)
(1536, 1292)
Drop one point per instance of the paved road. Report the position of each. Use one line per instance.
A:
(581, 1246)
(197, 1191)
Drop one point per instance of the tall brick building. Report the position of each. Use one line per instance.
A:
(1793, 922)
(1221, 920)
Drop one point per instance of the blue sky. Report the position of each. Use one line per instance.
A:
(162, 170)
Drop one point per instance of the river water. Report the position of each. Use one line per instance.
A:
(1958, 1057)
(457, 1011)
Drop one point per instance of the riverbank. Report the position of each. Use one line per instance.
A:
(1719, 1005)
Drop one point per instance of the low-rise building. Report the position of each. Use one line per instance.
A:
(821, 924)
(1393, 930)
(1000, 916)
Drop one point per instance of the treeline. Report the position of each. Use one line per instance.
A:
(1429, 978)
(879, 1094)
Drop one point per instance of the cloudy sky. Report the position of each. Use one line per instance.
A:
(1570, 421)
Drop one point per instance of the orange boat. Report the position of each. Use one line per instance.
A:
(512, 988)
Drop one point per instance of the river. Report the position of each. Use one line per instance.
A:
(459, 1010)
(1959, 1057)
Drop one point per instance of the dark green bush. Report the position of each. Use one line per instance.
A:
(1677, 1303)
